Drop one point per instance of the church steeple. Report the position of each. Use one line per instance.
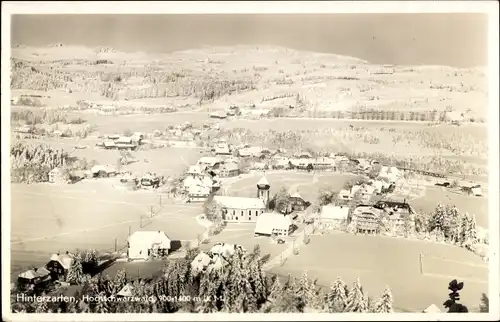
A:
(263, 190)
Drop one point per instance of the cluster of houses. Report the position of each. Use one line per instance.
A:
(126, 179)
(253, 112)
(369, 219)
(117, 142)
(55, 269)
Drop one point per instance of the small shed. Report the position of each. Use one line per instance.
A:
(143, 244)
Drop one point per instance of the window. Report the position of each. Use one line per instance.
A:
(242, 213)
(236, 218)
(234, 213)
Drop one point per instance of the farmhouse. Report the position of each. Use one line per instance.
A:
(102, 171)
(229, 169)
(56, 175)
(369, 218)
(333, 216)
(298, 203)
(35, 277)
(281, 163)
(471, 188)
(145, 244)
(196, 171)
(273, 223)
(59, 265)
(198, 193)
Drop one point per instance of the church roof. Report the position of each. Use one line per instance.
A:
(263, 182)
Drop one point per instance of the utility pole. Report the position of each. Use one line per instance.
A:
(116, 245)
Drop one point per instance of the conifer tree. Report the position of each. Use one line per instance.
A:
(337, 297)
(438, 218)
(75, 272)
(471, 231)
(464, 230)
(384, 304)
(119, 281)
(453, 215)
(356, 302)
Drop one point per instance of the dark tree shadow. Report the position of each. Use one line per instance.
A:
(484, 307)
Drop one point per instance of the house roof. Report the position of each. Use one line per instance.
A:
(126, 291)
(65, 260)
(124, 139)
(194, 169)
(266, 222)
(199, 190)
(230, 166)
(240, 202)
(334, 212)
(225, 250)
(42, 271)
(209, 160)
(148, 238)
(100, 167)
(432, 309)
(263, 182)
(30, 274)
(109, 144)
(296, 195)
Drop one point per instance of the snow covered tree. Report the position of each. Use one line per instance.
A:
(464, 230)
(356, 302)
(119, 281)
(337, 297)
(384, 304)
(452, 229)
(438, 219)
(75, 272)
(471, 230)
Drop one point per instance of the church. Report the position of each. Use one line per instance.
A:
(245, 209)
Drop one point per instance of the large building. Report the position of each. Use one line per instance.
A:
(372, 219)
(333, 216)
(244, 209)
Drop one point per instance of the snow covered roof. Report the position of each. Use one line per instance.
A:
(126, 291)
(208, 160)
(30, 274)
(229, 166)
(263, 182)
(42, 271)
(124, 140)
(432, 309)
(240, 202)
(199, 190)
(344, 192)
(225, 250)
(296, 195)
(149, 238)
(334, 212)
(268, 221)
(65, 260)
(99, 167)
(194, 169)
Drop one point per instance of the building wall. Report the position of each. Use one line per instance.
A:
(242, 215)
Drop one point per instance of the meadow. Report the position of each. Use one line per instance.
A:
(91, 214)
(382, 261)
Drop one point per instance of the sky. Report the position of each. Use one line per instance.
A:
(458, 40)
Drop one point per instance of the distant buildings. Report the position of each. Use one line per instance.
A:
(145, 244)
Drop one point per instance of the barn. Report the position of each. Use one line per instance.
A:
(145, 244)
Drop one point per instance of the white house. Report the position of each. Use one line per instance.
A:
(143, 244)
(345, 194)
(204, 261)
(273, 223)
(198, 193)
(331, 216)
